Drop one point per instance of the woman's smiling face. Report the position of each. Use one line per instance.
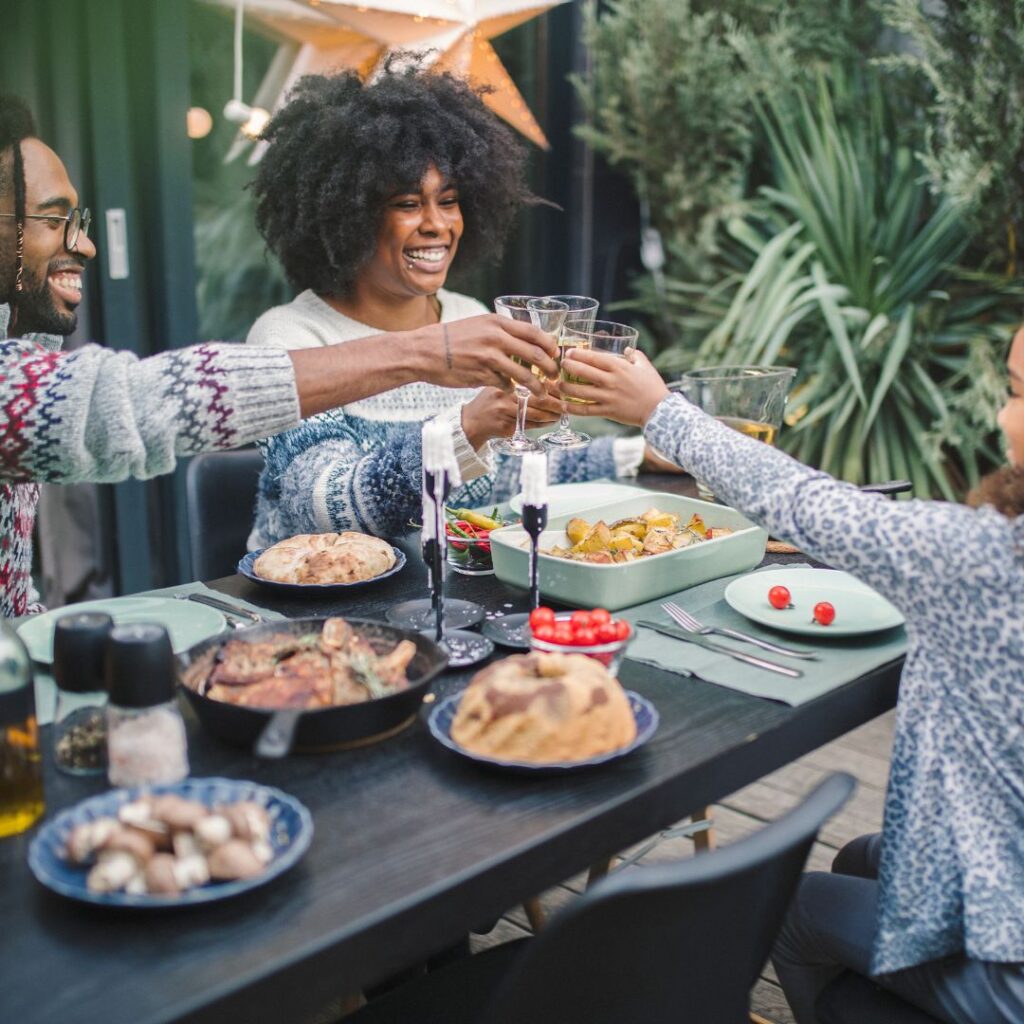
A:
(417, 241)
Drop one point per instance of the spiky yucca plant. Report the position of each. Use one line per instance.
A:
(852, 278)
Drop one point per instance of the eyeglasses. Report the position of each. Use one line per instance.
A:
(76, 223)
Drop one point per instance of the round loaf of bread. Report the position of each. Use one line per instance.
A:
(325, 558)
(544, 708)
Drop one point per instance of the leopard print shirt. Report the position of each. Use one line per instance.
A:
(952, 867)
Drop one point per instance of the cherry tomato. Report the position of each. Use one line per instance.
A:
(545, 631)
(580, 620)
(607, 632)
(779, 597)
(600, 616)
(562, 634)
(824, 613)
(541, 617)
(586, 636)
(622, 629)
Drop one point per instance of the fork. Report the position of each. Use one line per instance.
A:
(688, 622)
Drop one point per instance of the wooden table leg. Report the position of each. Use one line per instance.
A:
(704, 840)
(534, 913)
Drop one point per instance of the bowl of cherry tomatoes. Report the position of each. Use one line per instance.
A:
(593, 633)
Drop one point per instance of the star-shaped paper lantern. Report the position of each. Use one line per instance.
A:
(453, 35)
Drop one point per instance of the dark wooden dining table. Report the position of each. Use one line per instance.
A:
(413, 845)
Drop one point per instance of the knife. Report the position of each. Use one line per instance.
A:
(710, 645)
(224, 606)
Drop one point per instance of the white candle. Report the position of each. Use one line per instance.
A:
(439, 451)
(429, 516)
(534, 479)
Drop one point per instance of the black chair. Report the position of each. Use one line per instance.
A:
(668, 943)
(220, 495)
(854, 999)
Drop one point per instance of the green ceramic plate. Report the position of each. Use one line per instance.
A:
(186, 621)
(859, 609)
(578, 498)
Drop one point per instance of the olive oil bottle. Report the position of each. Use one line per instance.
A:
(21, 774)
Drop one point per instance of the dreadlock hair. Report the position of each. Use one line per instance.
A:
(341, 148)
(16, 124)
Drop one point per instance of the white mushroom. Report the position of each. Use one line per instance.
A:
(235, 859)
(139, 814)
(112, 871)
(212, 831)
(130, 841)
(87, 838)
(185, 844)
(177, 813)
(161, 876)
(191, 871)
(249, 820)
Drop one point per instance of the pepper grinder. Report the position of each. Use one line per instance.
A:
(79, 722)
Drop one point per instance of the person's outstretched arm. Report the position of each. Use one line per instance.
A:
(891, 545)
(100, 415)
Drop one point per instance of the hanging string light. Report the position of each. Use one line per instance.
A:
(252, 120)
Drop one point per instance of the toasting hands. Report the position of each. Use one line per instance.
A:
(626, 389)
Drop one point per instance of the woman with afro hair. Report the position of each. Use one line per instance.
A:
(366, 193)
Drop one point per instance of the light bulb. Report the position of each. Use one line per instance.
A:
(198, 122)
(258, 118)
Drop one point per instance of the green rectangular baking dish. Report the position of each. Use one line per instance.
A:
(584, 585)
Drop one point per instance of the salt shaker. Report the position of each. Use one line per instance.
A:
(80, 721)
(21, 772)
(146, 741)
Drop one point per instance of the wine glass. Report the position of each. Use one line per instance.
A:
(582, 311)
(600, 336)
(514, 307)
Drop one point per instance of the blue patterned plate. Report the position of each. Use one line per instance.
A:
(245, 567)
(440, 725)
(291, 830)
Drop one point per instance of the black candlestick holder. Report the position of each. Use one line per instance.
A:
(445, 620)
(514, 630)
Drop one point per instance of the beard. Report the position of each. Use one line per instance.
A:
(36, 307)
(1003, 490)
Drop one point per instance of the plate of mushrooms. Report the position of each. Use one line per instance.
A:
(191, 842)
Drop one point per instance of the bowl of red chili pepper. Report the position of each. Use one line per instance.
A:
(593, 633)
(469, 540)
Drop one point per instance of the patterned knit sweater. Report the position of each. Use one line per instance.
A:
(359, 467)
(99, 415)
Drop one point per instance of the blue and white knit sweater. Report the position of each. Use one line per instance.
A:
(359, 467)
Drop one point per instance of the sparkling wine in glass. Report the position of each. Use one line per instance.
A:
(582, 311)
(599, 336)
(514, 307)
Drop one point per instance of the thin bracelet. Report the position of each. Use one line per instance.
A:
(447, 346)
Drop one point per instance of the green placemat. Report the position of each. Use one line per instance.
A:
(46, 690)
(840, 661)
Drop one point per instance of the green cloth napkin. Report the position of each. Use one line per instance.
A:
(839, 661)
(46, 690)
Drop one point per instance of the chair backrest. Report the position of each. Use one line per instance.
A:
(220, 495)
(682, 942)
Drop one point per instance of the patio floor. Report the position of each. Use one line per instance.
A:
(863, 753)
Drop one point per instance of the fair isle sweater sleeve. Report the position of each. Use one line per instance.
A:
(339, 472)
(891, 545)
(100, 415)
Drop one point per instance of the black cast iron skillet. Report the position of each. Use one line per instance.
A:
(273, 732)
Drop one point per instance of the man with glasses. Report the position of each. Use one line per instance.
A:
(100, 415)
